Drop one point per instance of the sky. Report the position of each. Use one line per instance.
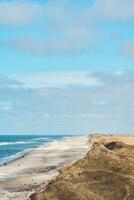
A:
(66, 66)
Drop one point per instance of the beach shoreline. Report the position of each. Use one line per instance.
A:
(33, 171)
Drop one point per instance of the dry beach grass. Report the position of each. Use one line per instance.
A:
(105, 173)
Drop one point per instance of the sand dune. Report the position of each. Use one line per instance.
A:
(105, 173)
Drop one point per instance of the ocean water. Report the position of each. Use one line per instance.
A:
(14, 146)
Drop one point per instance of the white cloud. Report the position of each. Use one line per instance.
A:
(59, 79)
(19, 13)
(62, 14)
(78, 115)
(8, 82)
(5, 105)
(113, 10)
(127, 50)
(71, 43)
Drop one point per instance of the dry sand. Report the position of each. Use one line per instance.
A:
(24, 176)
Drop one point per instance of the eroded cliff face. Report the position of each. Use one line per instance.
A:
(106, 173)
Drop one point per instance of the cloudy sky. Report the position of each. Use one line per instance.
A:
(66, 66)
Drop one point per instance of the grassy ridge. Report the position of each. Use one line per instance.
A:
(106, 173)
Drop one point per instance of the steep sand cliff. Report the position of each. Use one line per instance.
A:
(106, 173)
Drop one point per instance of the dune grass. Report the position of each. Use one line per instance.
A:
(103, 174)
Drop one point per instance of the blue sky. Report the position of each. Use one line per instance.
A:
(66, 65)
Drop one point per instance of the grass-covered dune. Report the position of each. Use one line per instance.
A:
(106, 173)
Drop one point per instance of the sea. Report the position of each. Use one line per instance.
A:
(15, 146)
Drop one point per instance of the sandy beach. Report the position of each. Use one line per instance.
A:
(26, 175)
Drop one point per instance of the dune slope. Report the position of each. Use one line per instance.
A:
(106, 173)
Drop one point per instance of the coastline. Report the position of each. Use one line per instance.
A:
(30, 173)
(22, 152)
